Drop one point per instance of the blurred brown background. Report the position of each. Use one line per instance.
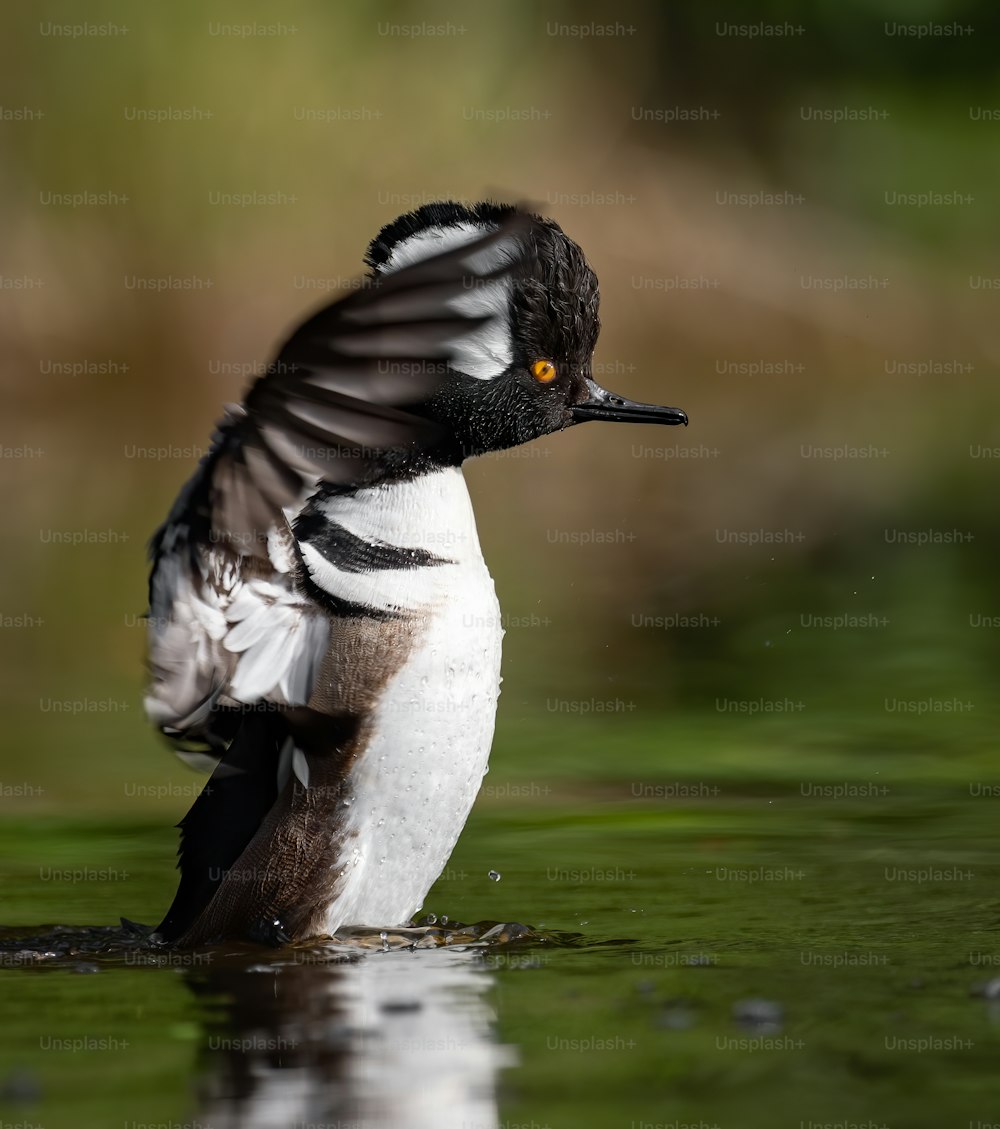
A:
(796, 236)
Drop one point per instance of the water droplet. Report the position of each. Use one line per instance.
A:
(381, 823)
(495, 875)
(384, 937)
(444, 919)
(432, 919)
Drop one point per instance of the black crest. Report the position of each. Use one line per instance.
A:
(446, 213)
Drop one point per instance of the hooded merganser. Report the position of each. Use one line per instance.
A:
(323, 628)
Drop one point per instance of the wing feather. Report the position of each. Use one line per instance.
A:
(228, 625)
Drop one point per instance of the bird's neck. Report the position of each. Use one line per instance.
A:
(430, 512)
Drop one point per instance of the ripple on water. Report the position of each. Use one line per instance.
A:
(95, 948)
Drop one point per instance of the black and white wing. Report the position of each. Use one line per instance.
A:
(229, 626)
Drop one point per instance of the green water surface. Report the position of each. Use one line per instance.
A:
(864, 925)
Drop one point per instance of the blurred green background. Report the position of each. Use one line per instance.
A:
(819, 545)
(769, 639)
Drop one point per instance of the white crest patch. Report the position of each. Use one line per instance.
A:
(486, 352)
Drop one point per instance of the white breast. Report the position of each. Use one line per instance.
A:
(413, 787)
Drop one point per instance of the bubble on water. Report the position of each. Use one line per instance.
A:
(381, 822)
(764, 1016)
(444, 919)
(432, 919)
(988, 991)
(495, 875)
(676, 1016)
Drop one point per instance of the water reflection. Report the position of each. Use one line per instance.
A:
(324, 1041)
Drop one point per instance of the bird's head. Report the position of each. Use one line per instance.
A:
(525, 369)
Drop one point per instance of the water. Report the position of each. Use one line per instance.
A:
(742, 960)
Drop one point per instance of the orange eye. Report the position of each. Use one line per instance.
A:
(545, 371)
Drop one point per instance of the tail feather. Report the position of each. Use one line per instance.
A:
(225, 817)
